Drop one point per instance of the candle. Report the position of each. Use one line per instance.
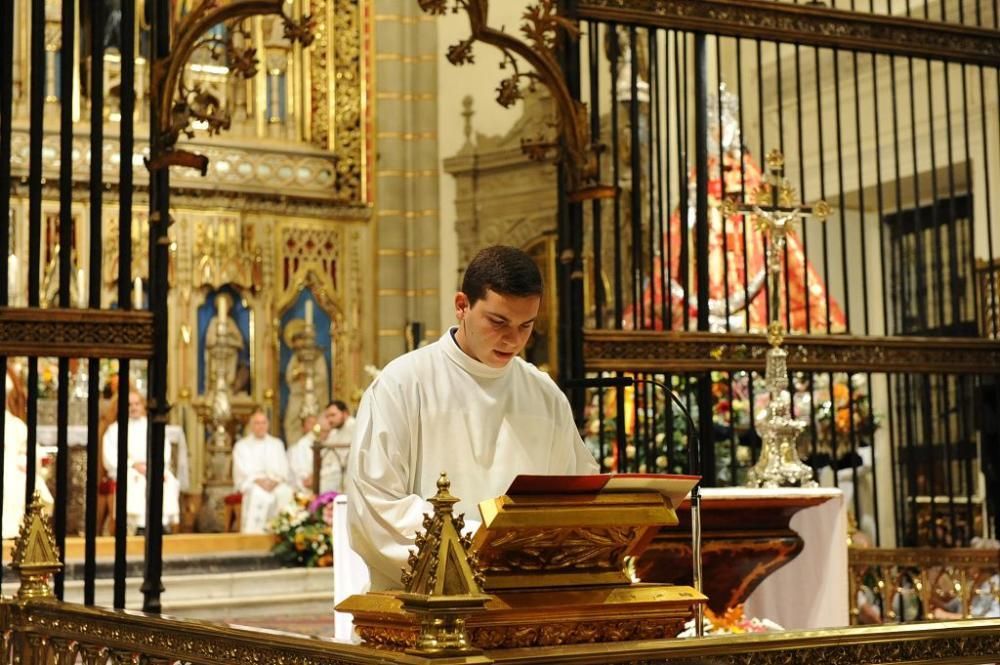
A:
(222, 304)
(81, 289)
(137, 293)
(309, 312)
(12, 276)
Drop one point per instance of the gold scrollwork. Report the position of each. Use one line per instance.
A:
(338, 89)
(543, 29)
(684, 351)
(807, 23)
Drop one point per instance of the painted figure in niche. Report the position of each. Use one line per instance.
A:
(224, 344)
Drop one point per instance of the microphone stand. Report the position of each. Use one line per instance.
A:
(694, 467)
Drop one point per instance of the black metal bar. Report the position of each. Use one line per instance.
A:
(661, 141)
(706, 434)
(6, 105)
(964, 398)
(995, 324)
(667, 280)
(90, 515)
(65, 270)
(762, 158)
(6, 108)
(743, 218)
(779, 79)
(898, 284)
(733, 441)
(594, 59)
(121, 483)
(814, 447)
(955, 293)
(36, 136)
(635, 185)
(880, 206)
(922, 278)
(152, 585)
(613, 59)
(652, 135)
(680, 78)
(94, 302)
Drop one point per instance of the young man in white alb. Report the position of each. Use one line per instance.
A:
(466, 405)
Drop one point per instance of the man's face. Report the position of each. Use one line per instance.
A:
(497, 327)
(258, 425)
(136, 409)
(335, 418)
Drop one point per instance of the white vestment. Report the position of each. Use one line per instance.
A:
(333, 459)
(15, 465)
(135, 497)
(257, 459)
(436, 409)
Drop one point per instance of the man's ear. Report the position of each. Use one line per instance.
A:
(461, 305)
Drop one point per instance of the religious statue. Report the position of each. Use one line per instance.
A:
(223, 345)
(306, 374)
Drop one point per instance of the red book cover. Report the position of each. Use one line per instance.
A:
(674, 487)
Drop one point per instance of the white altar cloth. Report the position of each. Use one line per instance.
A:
(811, 591)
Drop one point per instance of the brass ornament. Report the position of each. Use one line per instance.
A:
(35, 556)
(443, 585)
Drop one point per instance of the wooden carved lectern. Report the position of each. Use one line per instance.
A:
(554, 555)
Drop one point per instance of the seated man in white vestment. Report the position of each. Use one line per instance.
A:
(15, 471)
(335, 428)
(261, 474)
(466, 405)
(135, 501)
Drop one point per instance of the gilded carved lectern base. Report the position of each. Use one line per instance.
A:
(540, 618)
(551, 560)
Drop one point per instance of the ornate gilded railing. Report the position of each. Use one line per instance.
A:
(36, 628)
(923, 584)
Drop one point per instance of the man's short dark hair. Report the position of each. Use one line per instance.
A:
(340, 404)
(508, 271)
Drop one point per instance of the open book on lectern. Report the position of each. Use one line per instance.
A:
(673, 487)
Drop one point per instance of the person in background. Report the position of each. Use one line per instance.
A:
(261, 474)
(138, 435)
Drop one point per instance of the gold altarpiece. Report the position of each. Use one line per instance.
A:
(280, 217)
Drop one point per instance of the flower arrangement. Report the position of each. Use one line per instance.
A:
(731, 622)
(303, 531)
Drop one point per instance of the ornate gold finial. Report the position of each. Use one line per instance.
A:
(443, 585)
(775, 160)
(36, 557)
